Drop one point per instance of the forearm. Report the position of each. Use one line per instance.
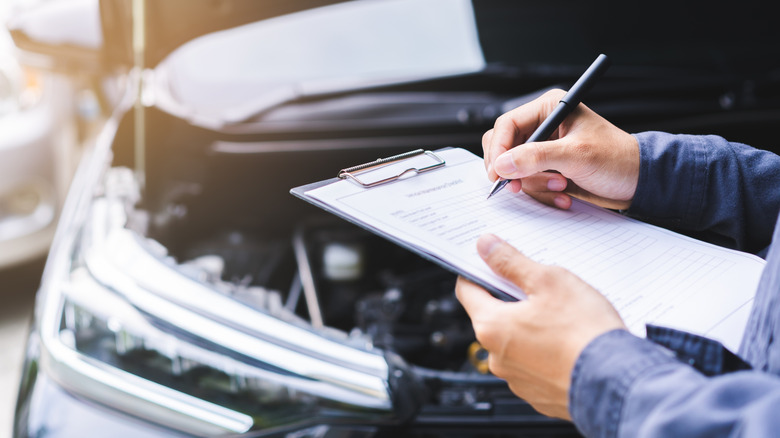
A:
(728, 193)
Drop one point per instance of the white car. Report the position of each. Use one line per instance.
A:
(30, 140)
(45, 117)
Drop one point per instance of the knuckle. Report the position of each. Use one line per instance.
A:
(580, 148)
(483, 331)
(550, 99)
(501, 260)
(459, 286)
(495, 365)
(502, 120)
(555, 93)
(538, 155)
(479, 329)
(539, 277)
(482, 328)
(486, 138)
(547, 274)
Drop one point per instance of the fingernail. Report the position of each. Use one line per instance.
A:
(489, 168)
(486, 244)
(505, 165)
(556, 184)
(561, 202)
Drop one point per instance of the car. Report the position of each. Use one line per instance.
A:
(46, 117)
(31, 191)
(187, 293)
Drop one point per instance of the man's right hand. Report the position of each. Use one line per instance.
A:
(598, 162)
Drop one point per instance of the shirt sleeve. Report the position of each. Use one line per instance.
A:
(624, 386)
(723, 192)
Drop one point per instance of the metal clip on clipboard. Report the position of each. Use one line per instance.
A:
(352, 172)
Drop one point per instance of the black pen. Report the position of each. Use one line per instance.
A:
(564, 108)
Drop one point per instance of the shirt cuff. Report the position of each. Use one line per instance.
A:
(708, 356)
(672, 175)
(602, 376)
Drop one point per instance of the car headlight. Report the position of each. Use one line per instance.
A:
(21, 87)
(125, 325)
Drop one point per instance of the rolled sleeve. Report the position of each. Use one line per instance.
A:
(625, 386)
(603, 375)
(715, 190)
(671, 179)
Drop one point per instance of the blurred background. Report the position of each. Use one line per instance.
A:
(19, 277)
(40, 144)
(18, 282)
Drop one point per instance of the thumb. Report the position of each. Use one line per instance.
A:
(531, 158)
(508, 262)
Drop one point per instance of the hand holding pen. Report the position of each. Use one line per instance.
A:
(565, 106)
(596, 161)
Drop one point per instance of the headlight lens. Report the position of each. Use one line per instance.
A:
(21, 87)
(127, 326)
(32, 89)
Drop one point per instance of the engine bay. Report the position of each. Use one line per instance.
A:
(221, 204)
(342, 277)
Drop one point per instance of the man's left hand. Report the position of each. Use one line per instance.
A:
(534, 343)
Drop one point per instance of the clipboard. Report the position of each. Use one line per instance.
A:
(440, 212)
(361, 174)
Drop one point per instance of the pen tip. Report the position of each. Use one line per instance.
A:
(497, 186)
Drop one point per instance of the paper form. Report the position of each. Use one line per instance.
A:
(649, 274)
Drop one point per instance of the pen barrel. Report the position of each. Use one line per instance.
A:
(550, 124)
(570, 101)
(586, 81)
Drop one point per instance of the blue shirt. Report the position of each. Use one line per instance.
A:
(674, 383)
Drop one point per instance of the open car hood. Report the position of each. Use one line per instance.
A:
(233, 75)
(98, 33)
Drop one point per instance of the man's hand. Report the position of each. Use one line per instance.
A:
(597, 161)
(534, 344)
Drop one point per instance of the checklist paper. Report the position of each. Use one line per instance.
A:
(650, 275)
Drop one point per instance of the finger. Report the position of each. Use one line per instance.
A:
(474, 299)
(545, 182)
(507, 262)
(578, 192)
(535, 157)
(547, 188)
(486, 146)
(514, 127)
(488, 157)
(504, 136)
(553, 199)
